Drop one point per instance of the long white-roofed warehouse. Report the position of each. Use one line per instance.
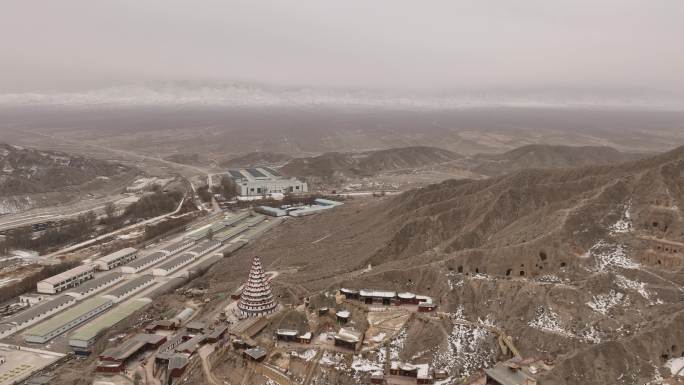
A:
(66, 280)
(47, 330)
(94, 285)
(178, 246)
(143, 262)
(173, 264)
(263, 181)
(117, 258)
(130, 287)
(84, 337)
(34, 314)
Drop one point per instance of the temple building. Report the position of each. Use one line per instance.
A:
(256, 299)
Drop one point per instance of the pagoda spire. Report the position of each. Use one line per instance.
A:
(256, 298)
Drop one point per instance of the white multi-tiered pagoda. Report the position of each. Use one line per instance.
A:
(256, 299)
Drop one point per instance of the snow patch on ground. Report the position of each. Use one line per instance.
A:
(624, 224)
(378, 338)
(14, 204)
(420, 354)
(397, 345)
(610, 255)
(591, 335)
(307, 356)
(457, 315)
(466, 350)
(335, 360)
(640, 287)
(675, 365)
(480, 276)
(549, 278)
(360, 364)
(454, 280)
(547, 321)
(602, 303)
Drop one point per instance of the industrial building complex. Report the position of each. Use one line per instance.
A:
(319, 205)
(115, 259)
(263, 181)
(84, 337)
(84, 303)
(66, 280)
(70, 318)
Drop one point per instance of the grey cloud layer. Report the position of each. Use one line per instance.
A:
(72, 45)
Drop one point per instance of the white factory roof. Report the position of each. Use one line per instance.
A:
(117, 254)
(406, 295)
(55, 279)
(68, 316)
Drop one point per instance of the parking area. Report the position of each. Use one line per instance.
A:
(21, 363)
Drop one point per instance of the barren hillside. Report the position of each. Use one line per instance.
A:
(581, 266)
(29, 176)
(367, 163)
(257, 158)
(546, 156)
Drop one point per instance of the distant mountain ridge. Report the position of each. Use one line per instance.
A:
(31, 177)
(547, 156)
(257, 158)
(367, 163)
(26, 171)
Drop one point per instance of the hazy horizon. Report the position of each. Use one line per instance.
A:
(612, 52)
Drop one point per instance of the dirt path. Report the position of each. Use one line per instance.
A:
(312, 368)
(204, 352)
(149, 372)
(273, 374)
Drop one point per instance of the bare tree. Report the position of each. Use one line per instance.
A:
(110, 210)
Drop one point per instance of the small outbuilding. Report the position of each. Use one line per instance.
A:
(256, 354)
(377, 296)
(426, 307)
(287, 335)
(349, 293)
(509, 373)
(195, 327)
(348, 338)
(305, 338)
(407, 299)
(343, 316)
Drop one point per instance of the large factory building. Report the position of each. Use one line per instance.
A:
(263, 181)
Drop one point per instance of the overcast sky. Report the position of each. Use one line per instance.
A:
(600, 45)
